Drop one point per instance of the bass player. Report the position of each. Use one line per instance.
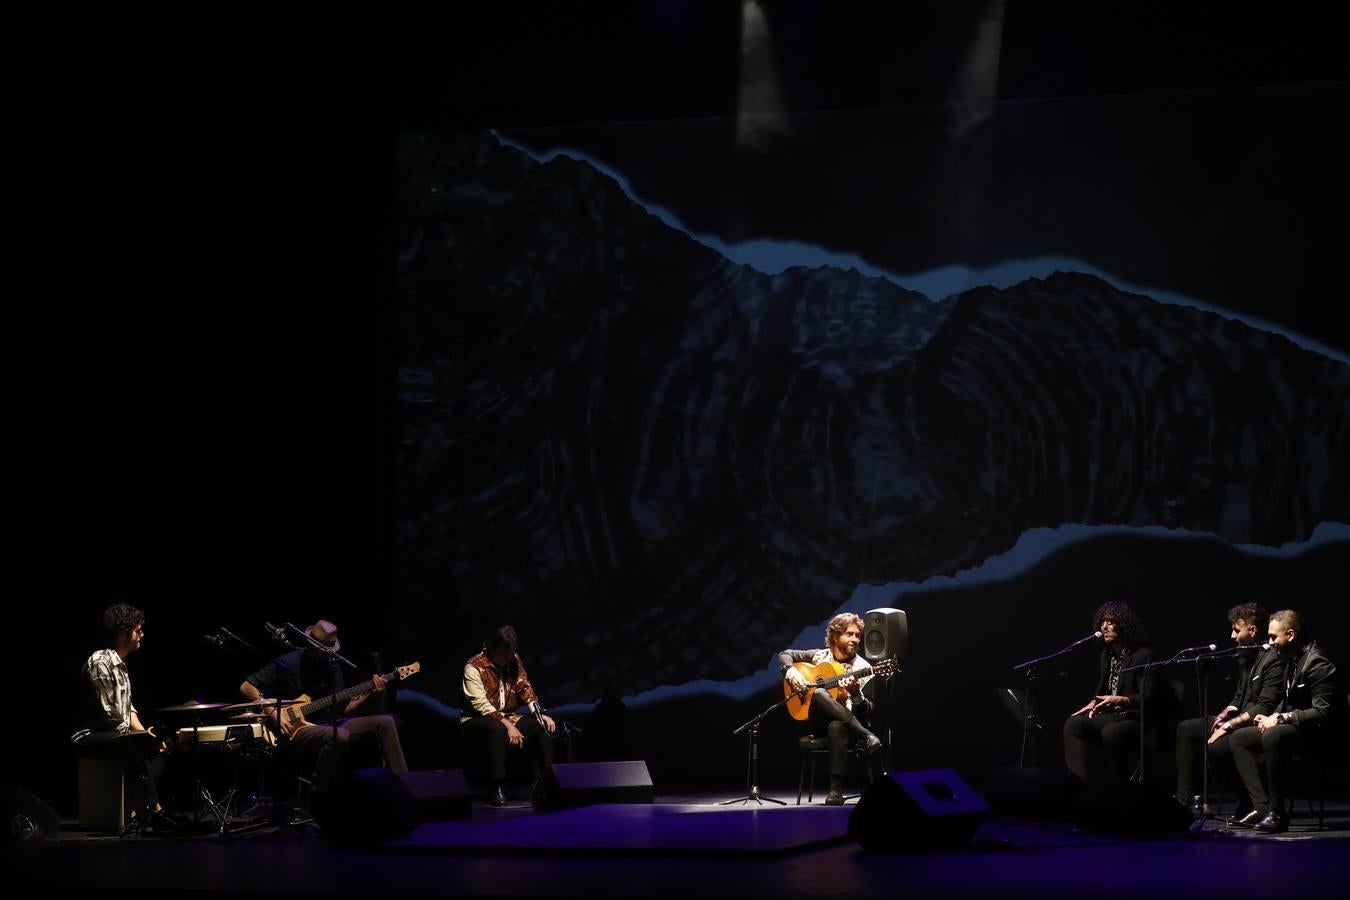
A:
(307, 673)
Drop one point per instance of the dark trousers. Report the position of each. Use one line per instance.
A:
(1191, 737)
(487, 735)
(381, 730)
(144, 763)
(830, 718)
(1104, 741)
(1254, 752)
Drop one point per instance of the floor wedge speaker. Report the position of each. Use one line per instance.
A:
(586, 783)
(371, 805)
(23, 817)
(918, 810)
(1126, 807)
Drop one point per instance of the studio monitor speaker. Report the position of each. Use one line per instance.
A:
(885, 634)
(584, 783)
(917, 810)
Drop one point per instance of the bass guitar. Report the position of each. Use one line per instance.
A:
(293, 714)
(826, 677)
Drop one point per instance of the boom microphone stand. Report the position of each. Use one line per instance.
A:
(1029, 718)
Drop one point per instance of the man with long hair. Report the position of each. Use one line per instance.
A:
(1109, 722)
(843, 723)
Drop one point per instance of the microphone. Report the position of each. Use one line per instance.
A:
(214, 639)
(1096, 634)
(1203, 648)
(278, 634)
(538, 715)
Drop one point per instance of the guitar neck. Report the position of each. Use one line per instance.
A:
(343, 696)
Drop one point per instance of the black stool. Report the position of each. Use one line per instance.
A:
(812, 748)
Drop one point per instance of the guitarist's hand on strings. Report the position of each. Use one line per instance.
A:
(380, 683)
(795, 679)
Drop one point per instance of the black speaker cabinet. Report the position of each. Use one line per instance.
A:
(370, 805)
(1129, 808)
(585, 783)
(439, 794)
(24, 817)
(885, 633)
(917, 811)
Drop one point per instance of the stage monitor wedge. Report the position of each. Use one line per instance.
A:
(586, 783)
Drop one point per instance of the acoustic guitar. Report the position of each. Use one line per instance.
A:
(293, 714)
(826, 677)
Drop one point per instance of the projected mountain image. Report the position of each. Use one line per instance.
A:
(674, 463)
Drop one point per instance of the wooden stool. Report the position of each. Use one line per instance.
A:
(106, 800)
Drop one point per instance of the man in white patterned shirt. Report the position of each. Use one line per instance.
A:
(112, 727)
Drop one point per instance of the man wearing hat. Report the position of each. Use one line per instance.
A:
(310, 672)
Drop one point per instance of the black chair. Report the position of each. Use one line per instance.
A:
(812, 749)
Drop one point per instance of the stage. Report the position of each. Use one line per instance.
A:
(692, 844)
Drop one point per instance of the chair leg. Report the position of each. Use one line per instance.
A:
(801, 776)
(811, 789)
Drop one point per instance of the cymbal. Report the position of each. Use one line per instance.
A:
(248, 717)
(255, 704)
(191, 706)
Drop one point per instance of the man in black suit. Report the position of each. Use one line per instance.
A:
(1260, 684)
(1302, 717)
(1110, 720)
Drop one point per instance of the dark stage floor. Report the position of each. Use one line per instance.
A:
(691, 845)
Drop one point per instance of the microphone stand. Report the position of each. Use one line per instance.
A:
(333, 658)
(1202, 681)
(1029, 718)
(1179, 656)
(752, 760)
(276, 814)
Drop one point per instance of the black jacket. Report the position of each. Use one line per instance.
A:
(1132, 684)
(1311, 698)
(1261, 686)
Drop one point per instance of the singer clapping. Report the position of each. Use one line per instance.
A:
(501, 710)
(1260, 682)
(1105, 731)
(308, 673)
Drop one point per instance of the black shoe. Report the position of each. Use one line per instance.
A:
(834, 798)
(1247, 821)
(1272, 823)
(497, 796)
(871, 743)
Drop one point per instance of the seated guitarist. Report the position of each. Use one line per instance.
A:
(842, 722)
(307, 672)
